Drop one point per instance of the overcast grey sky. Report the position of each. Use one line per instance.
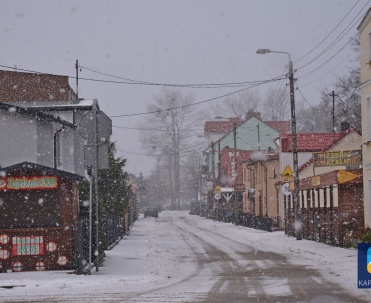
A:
(171, 41)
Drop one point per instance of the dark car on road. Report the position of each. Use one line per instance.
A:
(151, 212)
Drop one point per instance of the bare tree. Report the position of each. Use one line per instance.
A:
(276, 106)
(235, 105)
(191, 176)
(167, 131)
(318, 118)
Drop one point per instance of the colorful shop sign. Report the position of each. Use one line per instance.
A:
(338, 158)
(26, 246)
(28, 183)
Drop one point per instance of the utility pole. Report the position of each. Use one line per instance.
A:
(211, 192)
(90, 174)
(77, 79)
(295, 194)
(96, 174)
(257, 125)
(213, 163)
(333, 114)
(298, 218)
(219, 163)
(235, 164)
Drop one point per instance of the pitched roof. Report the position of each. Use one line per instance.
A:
(363, 21)
(223, 126)
(30, 87)
(226, 126)
(34, 113)
(32, 168)
(340, 137)
(280, 126)
(311, 142)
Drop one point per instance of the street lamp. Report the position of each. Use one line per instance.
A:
(295, 194)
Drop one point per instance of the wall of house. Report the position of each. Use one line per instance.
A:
(266, 199)
(45, 143)
(272, 169)
(72, 144)
(17, 138)
(353, 141)
(67, 151)
(365, 88)
(249, 138)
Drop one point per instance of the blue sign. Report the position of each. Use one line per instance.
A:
(364, 265)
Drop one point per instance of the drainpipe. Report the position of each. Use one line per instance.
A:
(266, 188)
(56, 157)
(252, 171)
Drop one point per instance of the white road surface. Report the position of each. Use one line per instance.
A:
(182, 258)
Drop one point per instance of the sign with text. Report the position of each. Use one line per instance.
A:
(240, 188)
(28, 183)
(33, 245)
(337, 158)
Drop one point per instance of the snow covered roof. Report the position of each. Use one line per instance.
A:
(312, 142)
(222, 126)
(260, 156)
(280, 126)
(32, 168)
(10, 108)
(59, 105)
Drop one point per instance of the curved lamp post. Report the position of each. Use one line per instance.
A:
(298, 220)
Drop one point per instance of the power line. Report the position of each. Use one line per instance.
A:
(327, 61)
(196, 103)
(304, 97)
(342, 61)
(183, 153)
(328, 34)
(138, 82)
(157, 129)
(338, 38)
(203, 85)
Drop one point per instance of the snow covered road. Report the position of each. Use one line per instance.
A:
(183, 258)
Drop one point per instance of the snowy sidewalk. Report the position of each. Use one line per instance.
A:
(123, 266)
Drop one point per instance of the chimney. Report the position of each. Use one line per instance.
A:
(251, 114)
(344, 126)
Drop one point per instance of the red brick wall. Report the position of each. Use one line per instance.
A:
(330, 224)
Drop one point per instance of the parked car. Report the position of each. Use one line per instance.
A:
(151, 212)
